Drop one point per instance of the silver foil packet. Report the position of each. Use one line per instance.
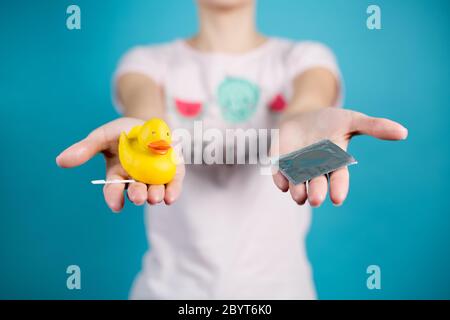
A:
(312, 161)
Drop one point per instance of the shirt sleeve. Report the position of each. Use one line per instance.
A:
(143, 60)
(307, 55)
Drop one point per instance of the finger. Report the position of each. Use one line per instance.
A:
(339, 183)
(114, 194)
(155, 193)
(82, 151)
(298, 193)
(173, 188)
(378, 127)
(137, 193)
(317, 191)
(280, 181)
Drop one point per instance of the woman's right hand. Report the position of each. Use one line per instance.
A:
(105, 140)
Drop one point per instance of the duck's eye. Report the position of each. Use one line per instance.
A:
(168, 134)
(153, 132)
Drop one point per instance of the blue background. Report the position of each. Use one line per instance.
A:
(55, 88)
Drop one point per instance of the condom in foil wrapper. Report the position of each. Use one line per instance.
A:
(312, 161)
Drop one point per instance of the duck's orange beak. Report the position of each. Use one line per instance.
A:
(159, 147)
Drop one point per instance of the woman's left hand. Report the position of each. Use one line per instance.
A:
(338, 125)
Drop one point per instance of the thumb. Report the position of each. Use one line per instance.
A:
(377, 127)
(82, 151)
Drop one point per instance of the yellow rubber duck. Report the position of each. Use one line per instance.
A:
(146, 154)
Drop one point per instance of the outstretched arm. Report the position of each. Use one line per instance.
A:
(309, 118)
(141, 99)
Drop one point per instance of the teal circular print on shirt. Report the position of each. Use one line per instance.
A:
(238, 99)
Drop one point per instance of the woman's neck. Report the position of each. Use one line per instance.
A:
(228, 30)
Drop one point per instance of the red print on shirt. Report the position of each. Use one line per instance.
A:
(188, 108)
(278, 103)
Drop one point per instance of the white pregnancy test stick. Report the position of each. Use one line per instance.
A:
(111, 181)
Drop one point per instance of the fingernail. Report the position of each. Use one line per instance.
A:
(154, 200)
(140, 200)
(316, 202)
(313, 204)
(406, 133)
(57, 160)
(114, 207)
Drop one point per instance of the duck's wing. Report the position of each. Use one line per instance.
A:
(134, 132)
(125, 150)
(123, 139)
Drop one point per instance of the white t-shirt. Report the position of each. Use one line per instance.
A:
(232, 234)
